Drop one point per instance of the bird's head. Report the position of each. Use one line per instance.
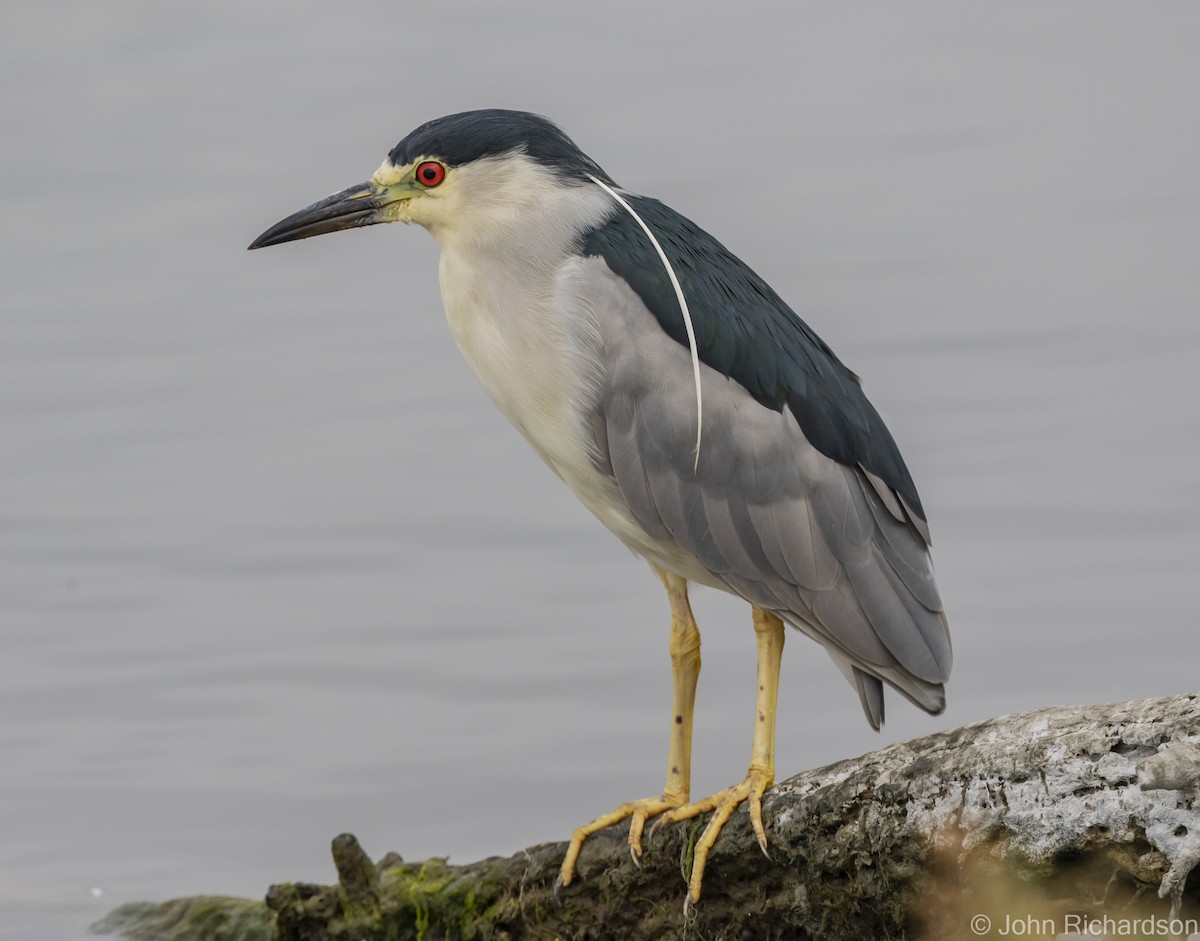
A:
(467, 172)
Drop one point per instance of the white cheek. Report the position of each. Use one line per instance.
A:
(400, 211)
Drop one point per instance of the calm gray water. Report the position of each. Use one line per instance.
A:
(271, 565)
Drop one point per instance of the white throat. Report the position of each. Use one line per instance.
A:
(507, 233)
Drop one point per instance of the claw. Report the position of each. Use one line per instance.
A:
(756, 821)
(639, 811)
(635, 835)
(722, 804)
(567, 872)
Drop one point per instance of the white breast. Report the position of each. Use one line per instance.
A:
(527, 356)
(518, 305)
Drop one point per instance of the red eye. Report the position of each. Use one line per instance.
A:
(430, 173)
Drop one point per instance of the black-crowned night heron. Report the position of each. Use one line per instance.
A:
(686, 405)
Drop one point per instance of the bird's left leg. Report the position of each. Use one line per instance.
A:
(685, 670)
(768, 630)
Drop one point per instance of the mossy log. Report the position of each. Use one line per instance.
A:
(1021, 824)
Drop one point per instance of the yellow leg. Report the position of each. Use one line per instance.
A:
(768, 629)
(685, 670)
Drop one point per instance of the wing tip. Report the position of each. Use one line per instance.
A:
(930, 697)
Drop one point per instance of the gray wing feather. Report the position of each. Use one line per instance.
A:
(734, 531)
(887, 496)
(627, 466)
(829, 547)
(894, 542)
(810, 559)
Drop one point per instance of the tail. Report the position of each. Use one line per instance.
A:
(921, 693)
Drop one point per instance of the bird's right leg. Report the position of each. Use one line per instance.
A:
(685, 670)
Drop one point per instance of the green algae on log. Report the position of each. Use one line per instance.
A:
(1043, 816)
(211, 917)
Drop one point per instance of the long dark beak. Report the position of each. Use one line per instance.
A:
(357, 206)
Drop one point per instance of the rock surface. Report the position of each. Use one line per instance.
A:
(1016, 825)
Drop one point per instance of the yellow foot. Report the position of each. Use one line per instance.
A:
(638, 811)
(723, 803)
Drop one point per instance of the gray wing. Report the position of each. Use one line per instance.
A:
(828, 546)
(745, 331)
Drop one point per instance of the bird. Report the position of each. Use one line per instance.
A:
(687, 406)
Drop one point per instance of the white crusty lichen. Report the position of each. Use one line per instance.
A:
(1039, 786)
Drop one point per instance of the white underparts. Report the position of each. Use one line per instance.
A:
(683, 307)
